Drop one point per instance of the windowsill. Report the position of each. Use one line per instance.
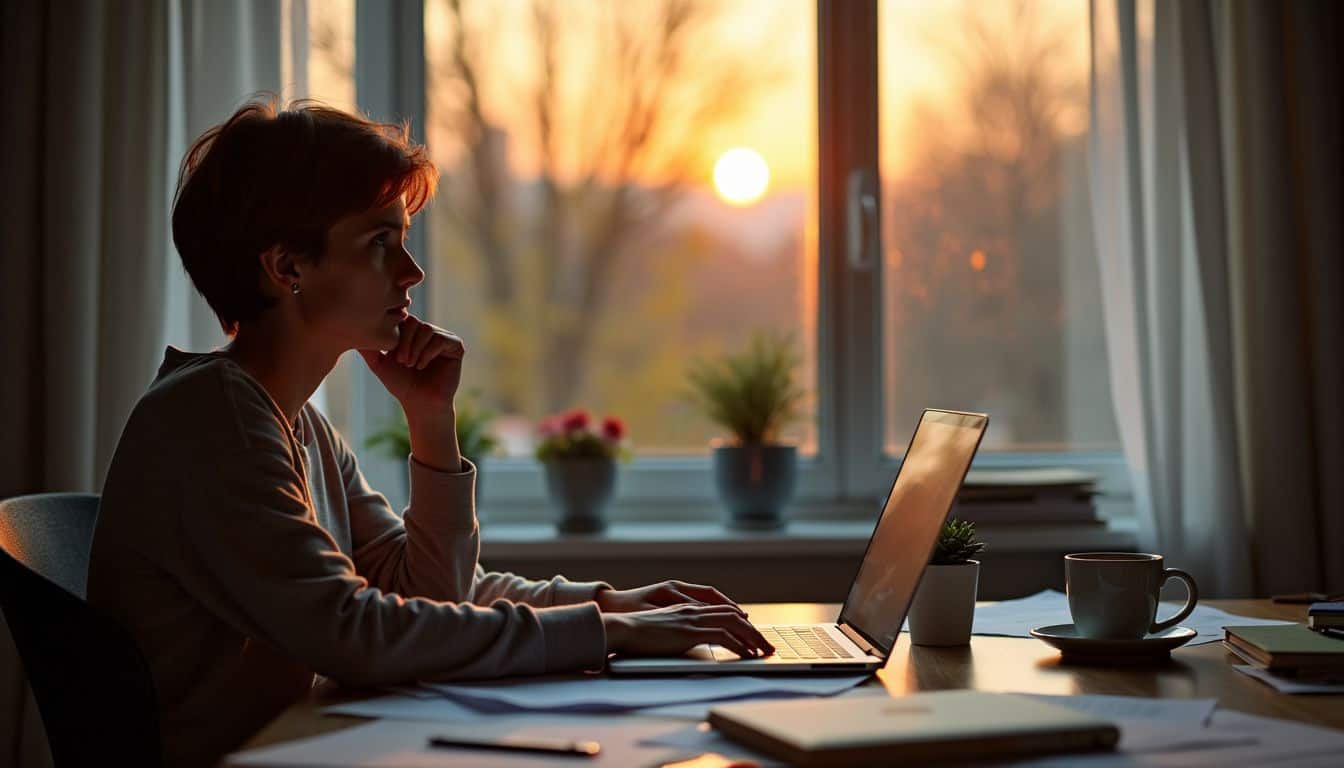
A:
(700, 539)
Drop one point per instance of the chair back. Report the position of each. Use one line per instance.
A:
(92, 685)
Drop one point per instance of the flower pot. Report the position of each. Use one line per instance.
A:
(755, 483)
(944, 604)
(580, 489)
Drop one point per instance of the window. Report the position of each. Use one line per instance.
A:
(922, 228)
(990, 287)
(625, 186)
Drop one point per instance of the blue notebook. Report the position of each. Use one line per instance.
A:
(1326, 615)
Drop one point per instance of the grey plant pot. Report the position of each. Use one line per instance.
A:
(755, 483)
(580, 489)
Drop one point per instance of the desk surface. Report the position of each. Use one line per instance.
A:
(987, 664)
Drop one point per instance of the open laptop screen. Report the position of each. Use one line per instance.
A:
(926, 484)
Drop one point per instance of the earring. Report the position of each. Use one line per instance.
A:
(294, 289)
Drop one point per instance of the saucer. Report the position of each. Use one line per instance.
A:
(1156, 646)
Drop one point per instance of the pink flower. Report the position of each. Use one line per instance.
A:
(549, 427)
(613, 428)
(576, 419)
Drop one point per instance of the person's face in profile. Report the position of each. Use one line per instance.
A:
(364, 273)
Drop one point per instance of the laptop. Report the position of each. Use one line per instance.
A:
(921, 496)
(915, 729)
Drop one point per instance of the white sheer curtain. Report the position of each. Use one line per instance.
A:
(101, 100)
(1216, 192)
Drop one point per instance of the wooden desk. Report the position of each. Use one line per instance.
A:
(1007, 664)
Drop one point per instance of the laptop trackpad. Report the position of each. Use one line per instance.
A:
(705, 652)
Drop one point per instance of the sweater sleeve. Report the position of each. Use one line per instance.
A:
(491, 586)
(266, 567)
(431, 549)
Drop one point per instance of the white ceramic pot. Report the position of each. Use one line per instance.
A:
(944, 604)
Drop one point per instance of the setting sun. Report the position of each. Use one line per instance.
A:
(741, 175)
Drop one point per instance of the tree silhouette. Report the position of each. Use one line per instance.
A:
(614, 157)
(975, 296)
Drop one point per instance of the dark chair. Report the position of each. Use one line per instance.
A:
(92, 685)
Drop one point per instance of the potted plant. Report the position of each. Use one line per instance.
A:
(474, 440)
(580, 466)
(944, 604)
(753, 395)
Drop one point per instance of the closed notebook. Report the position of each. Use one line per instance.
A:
(943, 726)
(1286, 646)
(1321, 615)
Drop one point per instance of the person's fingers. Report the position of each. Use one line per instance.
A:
(405, 334)
(673, 596)
(741, 628)
(447, 345)
(728, 640)
(410, 352)
(433, 349)
(704, 594)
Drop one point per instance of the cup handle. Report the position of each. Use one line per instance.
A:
(1191, 598)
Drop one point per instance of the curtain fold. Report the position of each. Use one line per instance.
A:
(1216, 189)
(102, 100)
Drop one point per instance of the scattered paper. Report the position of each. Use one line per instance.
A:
(1155, 732)
(406, 707)
(1016, 618)
(604, 694)
(1185, 712)
(1265, 740)
(1289, 684)
(1231, 738)
(402, 744)
(701, 738)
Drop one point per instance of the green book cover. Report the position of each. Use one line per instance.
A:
(1288, 639)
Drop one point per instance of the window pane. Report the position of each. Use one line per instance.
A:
(991, 295)
(580, 244)
(331, 52)
(331, 79)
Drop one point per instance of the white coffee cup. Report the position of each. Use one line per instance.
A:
(1114, 595)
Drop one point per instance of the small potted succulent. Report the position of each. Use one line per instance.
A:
(753, 395)
(580, 463)
(474, 440)
(944, 604)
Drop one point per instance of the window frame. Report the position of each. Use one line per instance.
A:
(851, 465)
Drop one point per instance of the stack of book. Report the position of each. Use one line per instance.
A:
(1028, 496)
(1326, 615)
(1290, 650)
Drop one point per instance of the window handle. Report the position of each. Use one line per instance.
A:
(861, 218)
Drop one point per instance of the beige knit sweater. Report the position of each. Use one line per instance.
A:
(244, 556)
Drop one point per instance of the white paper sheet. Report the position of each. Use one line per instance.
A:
(402, 744)
(1288, 684)
(407, 707)
(1185, 712)
(603, 694)
(1015, 618)
(1231, 739)
(700, 738)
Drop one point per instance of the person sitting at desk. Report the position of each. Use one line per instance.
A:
(237, 539)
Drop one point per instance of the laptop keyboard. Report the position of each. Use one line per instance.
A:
(804, 642)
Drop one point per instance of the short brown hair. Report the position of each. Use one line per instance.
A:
(266, 177)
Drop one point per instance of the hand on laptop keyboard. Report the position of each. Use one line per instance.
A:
(675, 629)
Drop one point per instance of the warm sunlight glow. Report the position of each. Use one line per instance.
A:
(741, 175)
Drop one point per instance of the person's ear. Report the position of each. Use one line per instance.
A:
(280, 270)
